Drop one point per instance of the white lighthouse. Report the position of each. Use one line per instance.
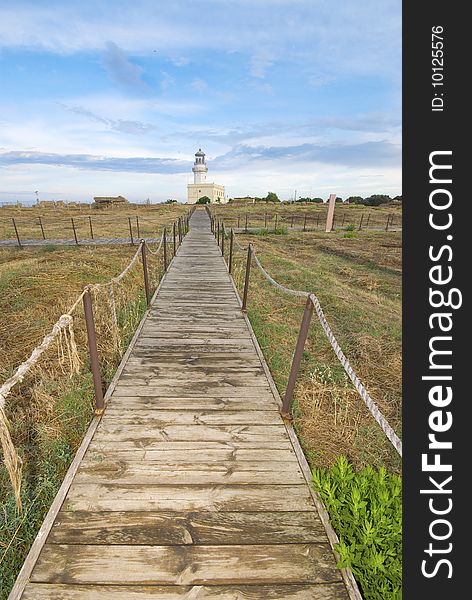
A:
(200, 187)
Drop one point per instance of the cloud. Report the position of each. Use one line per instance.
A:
(260, 63)
(124, 126)
(119, 68)
(97, 163)
(198, 85)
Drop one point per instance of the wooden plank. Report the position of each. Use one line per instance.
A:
(201, 528)
(244, 498)
(205, 454)
(130, 403)
(45, 591)
(196, 390)
(162, 418)
(186, 565)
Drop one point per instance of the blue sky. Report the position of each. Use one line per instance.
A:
(108, 98)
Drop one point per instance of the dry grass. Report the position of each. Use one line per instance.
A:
(106, 223)
(358, 282)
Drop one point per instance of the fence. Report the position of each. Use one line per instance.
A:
(312, 305)
(304, 221)
(78, 229)
(63, 333)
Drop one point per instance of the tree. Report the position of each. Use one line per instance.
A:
(355, 200)
(272, 197)
(338, 199)
(170, 201)
(203, 200)
(398, 199)
(377, 200)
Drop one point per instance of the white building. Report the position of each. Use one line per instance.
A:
(200, 187)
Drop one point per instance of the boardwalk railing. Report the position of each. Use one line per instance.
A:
(63, 332)
(312, 305)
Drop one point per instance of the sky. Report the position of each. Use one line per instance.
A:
(299, 97)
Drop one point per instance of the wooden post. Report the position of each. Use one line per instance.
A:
(230, 265)
(222, 239)
(91, 228)
(360, 224)
(367, 222)
(42, 228)
(93, 352)
(165, 250)
(302, 335)
(291, 222)
(145, 273)
(246, 278)
(73, 229)
(245, 227)
(275, 222)
(330, 215)
(304, 223)
(16, 231)
(218, 233)
(344, 217)
(130, 231)
(239, 218)
(180, 231)
(317, 220)
(137, 225)
(265, 220)
(174, 235)
(388, 220)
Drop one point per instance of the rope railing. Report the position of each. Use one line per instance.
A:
(64, 329)
(312, 305)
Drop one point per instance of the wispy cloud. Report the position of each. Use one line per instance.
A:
(119, 68)
(124, 126)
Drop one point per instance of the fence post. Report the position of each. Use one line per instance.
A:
(145, 272)
(246, 279)
(93, 352)
(137, 226)
(180, 231)
(173, 233)
(367, 222)
(388, 220)
(275, 223)
(130, 231)
(265, 220)
(16, 231)
(344, 217)
(239, 220)
(165, 250)
(75, 233)
(291, 222)
(222, 239)
(245, 227)
(230, 264)
(91, 228)
(317, 220)
(360, 224)
(297, 357)
(42, 228)
(304, 223)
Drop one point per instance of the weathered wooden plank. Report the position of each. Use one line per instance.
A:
(130, 403)
(186, 565)
(196, 390)
(161, 418)
(152, 443)
(244, 498)
(45, 591)
(209, 453)
(196, 528)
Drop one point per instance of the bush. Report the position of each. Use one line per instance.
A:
(365, 511)
(203, 200)
(350, 227)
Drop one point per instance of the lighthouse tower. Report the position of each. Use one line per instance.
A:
(199, 168)
(200, 187)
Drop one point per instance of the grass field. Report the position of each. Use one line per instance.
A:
(52, 224)
(51, 408)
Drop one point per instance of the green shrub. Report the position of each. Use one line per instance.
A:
(365, 511)
(351, 227)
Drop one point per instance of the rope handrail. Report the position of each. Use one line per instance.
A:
(359, 386)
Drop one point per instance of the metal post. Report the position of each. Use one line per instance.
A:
(130, 231)
(145, 272)
(333, 227)
(180, 231)
(317, 220)
(16, 231)
(218, 233)
(275, 224)
(344, 217)
(291, 222)
(245, 227)
(297, 357)
(230, 265)
(388, 220)
(265, 220)
(223, 239)
(165, 250)
(93, 352)
(42, 228)
(239, 219)
(91, 228)
(367, 222)
(246, 279)
(137, 225)
(173, 233)
(75, 233)
(360, 224)
(304, 223)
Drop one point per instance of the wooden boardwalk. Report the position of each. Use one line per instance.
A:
(191, 485)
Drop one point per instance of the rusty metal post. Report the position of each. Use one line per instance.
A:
(75, 233)
(130, 231)
(367, 222)
(304, 223)
(291, 222)
(297, 357)
(93, 352)
(174, 236)
(275, 224)
(42, 228)
(362, 219)
(16, 231)
(245, 227)
(137, 226)
(344, 218)
(317, 220)
(145, 273)
(91, 228)
(239, 220)
(165, 250)
(246, 279)
(230, 264)
(265, 220)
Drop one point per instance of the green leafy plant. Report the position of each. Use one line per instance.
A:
(365, 511)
